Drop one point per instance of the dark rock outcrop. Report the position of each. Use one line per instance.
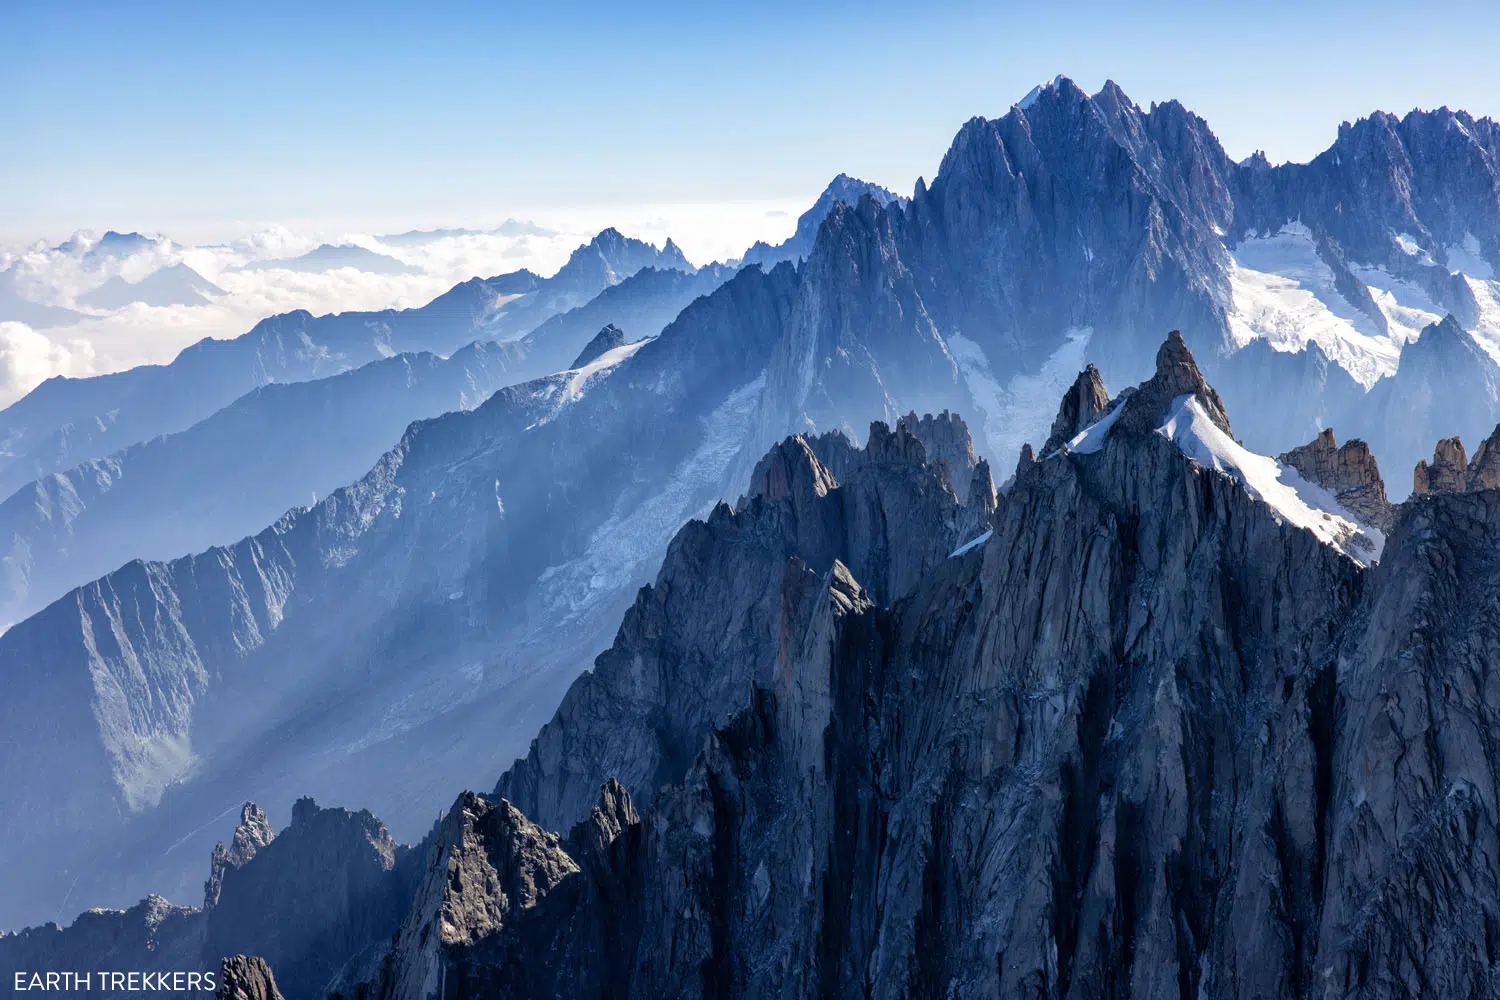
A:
(604, 341)
(1083, 403)
(946, 439)
(328, 887)
(1146, 739)
(253, 833)
(243, 977)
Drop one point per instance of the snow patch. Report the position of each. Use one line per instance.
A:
(1293, 499)
(1407, 308)
(1465, 258)
(581, 376)
(1486, 330)
(1021, 409)
(565, 388)
(1092, 437)
(625, 549)
(1408, 245)
(971, 544)
(1283, 292)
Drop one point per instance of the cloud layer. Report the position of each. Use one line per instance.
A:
(101, 341)
(28, 357)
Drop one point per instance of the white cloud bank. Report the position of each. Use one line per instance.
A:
(28, 357)
(104, 341)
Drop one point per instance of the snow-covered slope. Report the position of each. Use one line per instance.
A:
(1282, 291)
(1293, 499)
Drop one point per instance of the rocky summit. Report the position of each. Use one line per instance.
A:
(1145, 723)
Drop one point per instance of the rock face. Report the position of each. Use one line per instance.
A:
(945, 439)
(1447, 471)
(245, 978)
(435, 610)
(253, 833)
(330, 885)
(645, 707)
(326, 652)
(1146, 738)
(1081, 406)
(1349, 472)
(1452, 471)
(604, 341)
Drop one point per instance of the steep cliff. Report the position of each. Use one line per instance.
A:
(1152, 733)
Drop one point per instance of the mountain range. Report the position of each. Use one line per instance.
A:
(1126, 727)
(328, 256)
(850, 758)
(66, 420)
(173, 285)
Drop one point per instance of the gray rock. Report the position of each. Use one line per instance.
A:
(253, 833)
(1349, 472)
(1446, 473)
(245, 978)
(1083, 403)
(604, 341)
(1148, 740)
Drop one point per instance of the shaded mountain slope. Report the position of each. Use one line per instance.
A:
(1147, 737)
(279, 446)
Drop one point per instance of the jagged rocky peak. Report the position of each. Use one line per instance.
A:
(1177, 375)
(1446, 473)
(946, 439)
(498, 892)
(673, 257)
(789, 469)
(981, 493)
(1484, 467)
(894, 447)
(1081, 405)
(1348, 471)
(612, 256)
(1059, 86)
(807, 466)
(1026, 459)
(1452, 471)
(842, 190)
(604, 341)
(612, 816)
(245, 977)
(253, 833)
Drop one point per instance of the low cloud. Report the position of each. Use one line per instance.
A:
(104, 341)
(28, 357)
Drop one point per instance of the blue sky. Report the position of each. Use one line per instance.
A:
(173, 117)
